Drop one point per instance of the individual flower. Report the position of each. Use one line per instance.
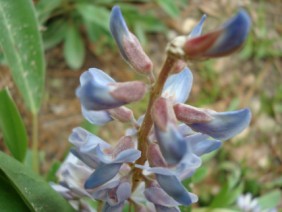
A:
(219, 125)
(99, 155)
(101, 97)
(223, 41)
(129, 46)
(98, 91)
(167, 175)
(171, 142)
(114, 195)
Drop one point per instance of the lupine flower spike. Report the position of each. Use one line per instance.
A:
(146, 166)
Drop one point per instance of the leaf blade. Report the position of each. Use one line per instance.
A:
(36, 193)
(22, 46)
(74, 49)
(12, 126)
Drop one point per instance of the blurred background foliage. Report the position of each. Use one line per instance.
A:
(76, 36)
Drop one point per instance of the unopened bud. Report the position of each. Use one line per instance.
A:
(122, 114)
(127, 92)
(190, 115)
(155, 156)
(162, 113)
(129, 46)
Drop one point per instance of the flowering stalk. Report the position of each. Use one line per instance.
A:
(146, 126)
(167, 142)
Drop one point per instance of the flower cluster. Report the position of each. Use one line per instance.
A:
(147, 173)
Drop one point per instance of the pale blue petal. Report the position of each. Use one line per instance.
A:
(197, 30)
(172, 144)
(185, 130)
(187, 165)
(96, 96)
(89, 160)
(178, 86)
(123, 192)
(85, 77)
(104, 158)
(96, 117)
(119, 29)
(234, 33)
(224, 125)
(173, 187)
(127, 156)
(155, 170)
(202, 144)
(101, 175)
(100, 76)
(160, 208)
(157, 196)
(85, 140)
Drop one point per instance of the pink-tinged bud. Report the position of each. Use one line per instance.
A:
(178, 66)
(223, 41)
(127, 92)
(129, 46)
(162, 113)
(191, 115)
(136, 56)
(124, 143)
(155, 156)
(122, 114)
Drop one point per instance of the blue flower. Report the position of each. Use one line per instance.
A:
(221, 42)
(99, 155)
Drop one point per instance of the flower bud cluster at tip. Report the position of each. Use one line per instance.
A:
(180, 135)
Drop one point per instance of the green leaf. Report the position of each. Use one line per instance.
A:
(200, 174)
(270, 200)
(74, 50)
(98, 15)
(10, 199)
(12, 126)
(170, 7)
(45, 7)
(35, 192)
(22, 46)
(54, 34)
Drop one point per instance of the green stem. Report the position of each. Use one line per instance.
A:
(35, 156)
(146, 126)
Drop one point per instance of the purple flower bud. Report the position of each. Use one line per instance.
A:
(221, 42)
(178, 66)
(129, 46)
(189, 114)
(122, 114)
(155, 156)
(127, 92)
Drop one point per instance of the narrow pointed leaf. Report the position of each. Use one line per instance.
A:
(34, 191)
(74, 50)
(22, 46)
(12, 126)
